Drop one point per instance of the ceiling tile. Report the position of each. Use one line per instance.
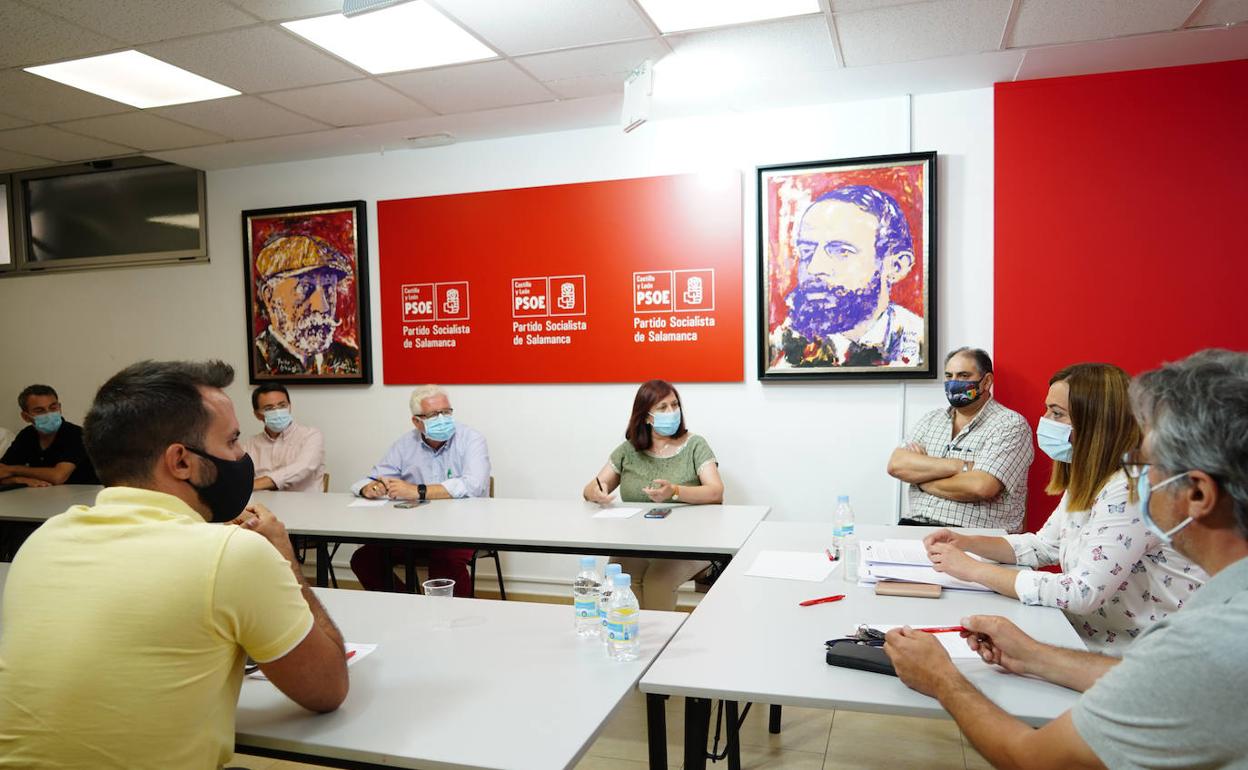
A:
(1221, 12)
(49, 142)
(1166, 49)
(134, 23)
(526, 26)
(142, 130)
(253, 59)
(752, 51)
(921, 31)
(283, 10)
(471, 87)
(241, 117)
(619, 58)
(7, 121)
(11, 161)
(41, 100)
(350, 104)
(31, 36)
(1041, 22)
(849, 6)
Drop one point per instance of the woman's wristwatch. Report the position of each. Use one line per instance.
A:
(676, 494)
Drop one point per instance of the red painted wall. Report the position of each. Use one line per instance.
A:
(1121, 209)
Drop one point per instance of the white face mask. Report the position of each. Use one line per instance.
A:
(1145, 489)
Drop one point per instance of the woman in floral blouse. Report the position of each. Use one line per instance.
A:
(1117, 578)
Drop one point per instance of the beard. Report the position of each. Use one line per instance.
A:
(818, 310)
(311, 334)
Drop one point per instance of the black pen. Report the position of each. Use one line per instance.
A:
(599, 483)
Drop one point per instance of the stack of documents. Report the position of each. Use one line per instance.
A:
(904, 560)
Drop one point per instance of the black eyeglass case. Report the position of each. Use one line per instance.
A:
(847, 654)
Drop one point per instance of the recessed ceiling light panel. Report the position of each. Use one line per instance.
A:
(133, 78)
(681, 15)
(410, 36)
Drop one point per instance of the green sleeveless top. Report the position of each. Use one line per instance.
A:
(639, 469)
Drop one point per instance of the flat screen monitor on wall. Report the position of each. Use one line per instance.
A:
(6, 256)
(122, 212)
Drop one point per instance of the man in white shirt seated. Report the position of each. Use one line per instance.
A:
(439, 460)
(288, 456)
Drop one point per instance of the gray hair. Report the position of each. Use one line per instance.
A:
(423, 392)
(1195, 412)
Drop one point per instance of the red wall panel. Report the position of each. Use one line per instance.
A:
(1121, 203)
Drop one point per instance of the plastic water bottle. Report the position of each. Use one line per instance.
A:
(849, 557)
(842, 524)
(604, 596)
(585, 597)
(623, 626)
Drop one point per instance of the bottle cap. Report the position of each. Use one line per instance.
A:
(622, 580)
(588, 562)
(614, 569)
(842, 498)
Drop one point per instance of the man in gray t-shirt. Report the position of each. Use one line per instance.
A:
(1175, 698)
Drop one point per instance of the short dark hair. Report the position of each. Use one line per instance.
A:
(650, 393)
(143, 409)
(983, 362)
(268, 387)
(35, 390)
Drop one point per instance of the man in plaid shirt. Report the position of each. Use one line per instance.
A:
(967, 465)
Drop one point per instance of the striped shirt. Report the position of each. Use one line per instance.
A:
(998, 441)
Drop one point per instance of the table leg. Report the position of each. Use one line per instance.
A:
(322, 564)
(391, 586)
(656, 730)
(697, 725)
(773, 720)
(733, 722)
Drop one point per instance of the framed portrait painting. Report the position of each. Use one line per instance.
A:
(307, 294)
(847, 269)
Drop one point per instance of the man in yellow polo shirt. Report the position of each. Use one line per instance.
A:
(125, 624)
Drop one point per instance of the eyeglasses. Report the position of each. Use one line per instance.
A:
(865, 635)
(439, 413)
(1133, 464)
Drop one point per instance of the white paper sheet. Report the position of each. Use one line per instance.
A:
(792, 565)
(617, 513)
(952, 641)
(355, 653)
(366, 503)
(896, 551)
(920, 575)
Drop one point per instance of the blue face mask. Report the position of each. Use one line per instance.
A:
(440, 428)
(278, 420)
(666, 423)
(1054, 439)
(49, 422)
(962, 392)
(1145, 489)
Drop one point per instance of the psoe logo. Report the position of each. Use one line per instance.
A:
(693, 290)
(451, 301)
(417, 301)
(567, 293)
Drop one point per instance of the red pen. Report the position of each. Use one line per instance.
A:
(829, 553)
(941, 629)
(823, 600)
(350, 654)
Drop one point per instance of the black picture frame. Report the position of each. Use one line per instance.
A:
(803, 334)
(310, 245)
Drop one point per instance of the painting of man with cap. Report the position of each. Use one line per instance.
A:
(307, 294)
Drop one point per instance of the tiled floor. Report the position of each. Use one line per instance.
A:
(810, 740)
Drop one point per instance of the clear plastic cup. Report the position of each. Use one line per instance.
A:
(439, 611)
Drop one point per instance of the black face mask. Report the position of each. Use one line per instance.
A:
(228, 494)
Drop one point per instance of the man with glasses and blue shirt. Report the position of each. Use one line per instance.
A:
(438, 460)
(49, 451)
(1175, 698)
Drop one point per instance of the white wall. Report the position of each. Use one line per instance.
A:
(792, 446)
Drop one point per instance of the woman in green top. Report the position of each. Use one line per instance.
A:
(661, 462)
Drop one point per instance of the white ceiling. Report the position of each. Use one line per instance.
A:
(561, 65)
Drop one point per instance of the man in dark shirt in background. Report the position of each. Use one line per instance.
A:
(49, 451)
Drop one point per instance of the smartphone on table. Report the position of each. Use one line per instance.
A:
(658, 513)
